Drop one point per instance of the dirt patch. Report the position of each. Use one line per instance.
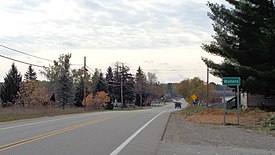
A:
(213, 116)
(256, 120)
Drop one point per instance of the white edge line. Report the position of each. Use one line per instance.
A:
(127, 141)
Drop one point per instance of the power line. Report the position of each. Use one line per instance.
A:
(176, 70)
(22, 61)
(124, 86)
(90, 69)
(18, 51)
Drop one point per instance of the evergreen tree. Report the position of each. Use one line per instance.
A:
(30, 74)
(140, 86)
(10, 86)
(102, 85)
(78, 85)
(117, 82)
(59, 74)
(128, 85)
(64, 91)
(124, 78)
(110, 83)
(245, 38)
(79, 93)
(98, 82)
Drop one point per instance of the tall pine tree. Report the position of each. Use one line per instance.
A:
(140, 86)
(123, 78)
(128, 82)
(245, 38)
(60, 76)
(30, 74)
(10, 86)
(109, 78)
(64, 90)
(98, 82)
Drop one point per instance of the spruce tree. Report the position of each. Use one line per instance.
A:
(124, 78)
(109, 78)
(30, 74)
(79, 93)
(64, 90)
(98, 82)
(140, 86)
(64, 81)
(10, 86)
(245, 38)
(128, 83)
(117, 82)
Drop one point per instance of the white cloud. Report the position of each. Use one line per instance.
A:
(158, 27)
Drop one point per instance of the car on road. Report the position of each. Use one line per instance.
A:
(177, 104)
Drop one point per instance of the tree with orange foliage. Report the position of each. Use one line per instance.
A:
(89, 101)
(101, 99)
(31, 93)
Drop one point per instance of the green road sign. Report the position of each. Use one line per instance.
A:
(231, 81)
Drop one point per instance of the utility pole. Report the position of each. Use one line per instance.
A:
(84, 81)
(121, 86)
(140, 96)
(207, 89)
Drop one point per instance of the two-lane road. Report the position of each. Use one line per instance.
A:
(112, 132)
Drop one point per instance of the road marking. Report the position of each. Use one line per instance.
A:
(52, 133)
(127, 141)
(47, 121)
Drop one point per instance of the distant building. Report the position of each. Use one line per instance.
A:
(257, 100)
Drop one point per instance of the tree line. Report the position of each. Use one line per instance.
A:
(64, 86)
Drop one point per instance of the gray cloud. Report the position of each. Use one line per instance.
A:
(149, 61)
(118, 24)
(25, 5)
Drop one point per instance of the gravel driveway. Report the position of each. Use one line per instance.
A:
(183, 137)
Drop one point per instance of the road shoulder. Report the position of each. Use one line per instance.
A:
(183, 137)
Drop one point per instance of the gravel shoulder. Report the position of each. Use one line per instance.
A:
(184, 137)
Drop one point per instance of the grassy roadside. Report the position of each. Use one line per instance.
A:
(190, 110)
(256, 120)
(12, 114)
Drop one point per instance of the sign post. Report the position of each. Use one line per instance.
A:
(224, 106)
(232, 81)
(194, 97)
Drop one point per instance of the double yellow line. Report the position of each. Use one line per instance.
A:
(52, 133)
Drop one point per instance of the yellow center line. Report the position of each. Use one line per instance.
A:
(52, 133)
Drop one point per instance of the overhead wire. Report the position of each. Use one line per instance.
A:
(34, 56)
(124, 86)
(45, 59)
(18, 51)
(22, 61)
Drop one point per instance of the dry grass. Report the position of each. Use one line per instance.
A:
(12, 113)
(17, 113)
(255, 119)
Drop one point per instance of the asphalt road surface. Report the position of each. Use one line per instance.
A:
(100, 133)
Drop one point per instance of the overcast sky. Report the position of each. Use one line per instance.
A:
(161, 36)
